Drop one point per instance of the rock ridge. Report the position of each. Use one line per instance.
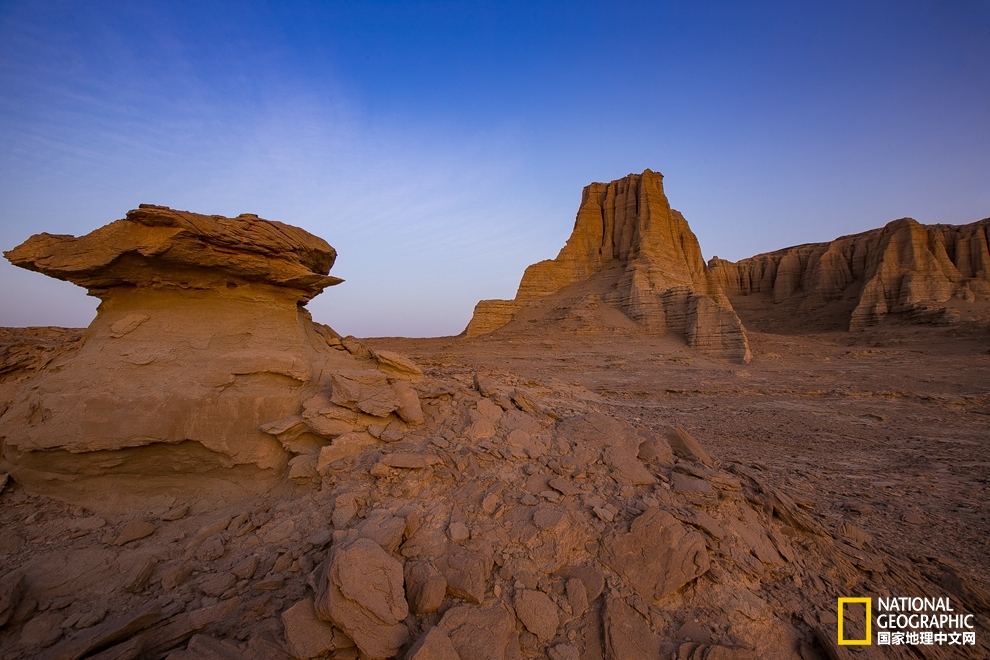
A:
(922, 273)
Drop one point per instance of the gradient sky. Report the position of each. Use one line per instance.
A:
(441, 147)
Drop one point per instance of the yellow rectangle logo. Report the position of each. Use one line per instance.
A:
(869, 622)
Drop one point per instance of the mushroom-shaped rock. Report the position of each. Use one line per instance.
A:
(157, 247)
(201, 339)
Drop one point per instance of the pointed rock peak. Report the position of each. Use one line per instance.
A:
(637, 256)
(620, 222)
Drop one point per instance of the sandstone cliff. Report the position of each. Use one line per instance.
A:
(933, 273)
(199, 361)
(629, 251)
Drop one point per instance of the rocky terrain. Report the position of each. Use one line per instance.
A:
(206, 473)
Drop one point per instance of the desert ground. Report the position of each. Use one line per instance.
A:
(883, 430)
(887, 428)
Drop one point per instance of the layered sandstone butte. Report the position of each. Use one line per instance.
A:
(629, 251)
(926, 273)
(199, 366)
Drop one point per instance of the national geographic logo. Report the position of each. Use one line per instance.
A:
(903, 621)
(868, 639)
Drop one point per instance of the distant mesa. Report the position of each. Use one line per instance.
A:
(631, 262)
(202, 362)
(918, 273)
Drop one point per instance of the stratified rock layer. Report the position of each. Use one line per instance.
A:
(629, 252)
(924, 273)
(156, 247)
(199, 361)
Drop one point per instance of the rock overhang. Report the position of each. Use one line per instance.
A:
(158, 247)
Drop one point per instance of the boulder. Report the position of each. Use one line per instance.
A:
(686, 447)
(433, 645)
(466, 572)
(425, 587)
(409, 409)
(577, 596)
(655, 449)
(346, 445)
(134, 530)
(626, 633)
(305, 635)
(657, 556)
(366, 391)
(481, 633)
(490, 409)
(480, 429)
(627, 468)
(397, 365)
(384, 529)
(360, 590)
(599, 431)
(538, 613)
(137, 571)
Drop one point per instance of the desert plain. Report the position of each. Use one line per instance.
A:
(643, 455)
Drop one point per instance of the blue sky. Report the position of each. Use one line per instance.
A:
(441, 147)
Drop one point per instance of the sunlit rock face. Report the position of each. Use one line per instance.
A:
(631, 253)
(915, 272)
(201, 342)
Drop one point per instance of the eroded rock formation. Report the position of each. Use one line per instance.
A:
(202, 360)
(630, 252)
(436, 513)
(926, 273)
